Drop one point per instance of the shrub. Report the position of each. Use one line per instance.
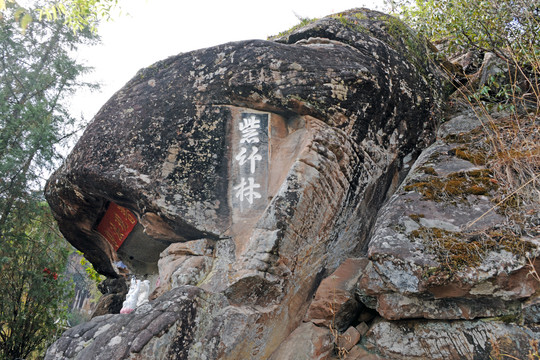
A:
(507, 33)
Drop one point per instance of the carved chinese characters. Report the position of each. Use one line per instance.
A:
(250, 161)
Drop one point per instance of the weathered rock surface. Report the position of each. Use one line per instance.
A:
(453, 340)
(439, 251)
(306, 342)
(328, 122)
(185, 263)
(284, 210)
(348, 339)
(340, 109)
(161, 148)
(335, 303)
(359, 353)
(114, 292)
(164, 329)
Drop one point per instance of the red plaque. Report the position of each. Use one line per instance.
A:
(116, 225)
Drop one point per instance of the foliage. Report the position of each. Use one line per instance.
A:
(507, 34)
(510, 29)
(37, 73)
(76, 14)
(90, 271)
(489, 25)
(303, 22)
(32, 287)
(80, 14)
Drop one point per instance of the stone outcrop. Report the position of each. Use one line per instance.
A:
(450, 340)
(153, 337)
(442, 277)
(439, 249)
(341, 107)
(306, 342)
(114, 292)
(335, 302)
(340, 89)
(244, 181)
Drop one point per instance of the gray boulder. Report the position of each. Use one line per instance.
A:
(267, 159)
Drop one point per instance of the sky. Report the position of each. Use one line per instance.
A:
(147, 31)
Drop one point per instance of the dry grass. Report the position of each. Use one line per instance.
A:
(513, 136)
(498, 354)
(511, 128)
(341, 352)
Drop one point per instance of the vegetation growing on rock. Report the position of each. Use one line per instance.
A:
(458, 250)
(455, 186)
(507, 81)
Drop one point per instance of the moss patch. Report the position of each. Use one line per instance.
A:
(472, 155)
(468, 138)
(416, 217)
(456, 186)
(428, 170)
(458, 250)
(508, 319)
(351, 20)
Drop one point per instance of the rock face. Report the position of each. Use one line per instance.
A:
(450, 340)
(114, 292)
(442, 278)
(439, 251)
(236, 178)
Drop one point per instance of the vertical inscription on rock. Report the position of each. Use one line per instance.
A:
(250, 162)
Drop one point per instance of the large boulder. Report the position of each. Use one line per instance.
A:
(267, 160)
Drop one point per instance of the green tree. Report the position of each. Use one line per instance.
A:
(33, 291)
(38, 72)
(76, 14)
(80, 14)
(508, 28)
(486, 24)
